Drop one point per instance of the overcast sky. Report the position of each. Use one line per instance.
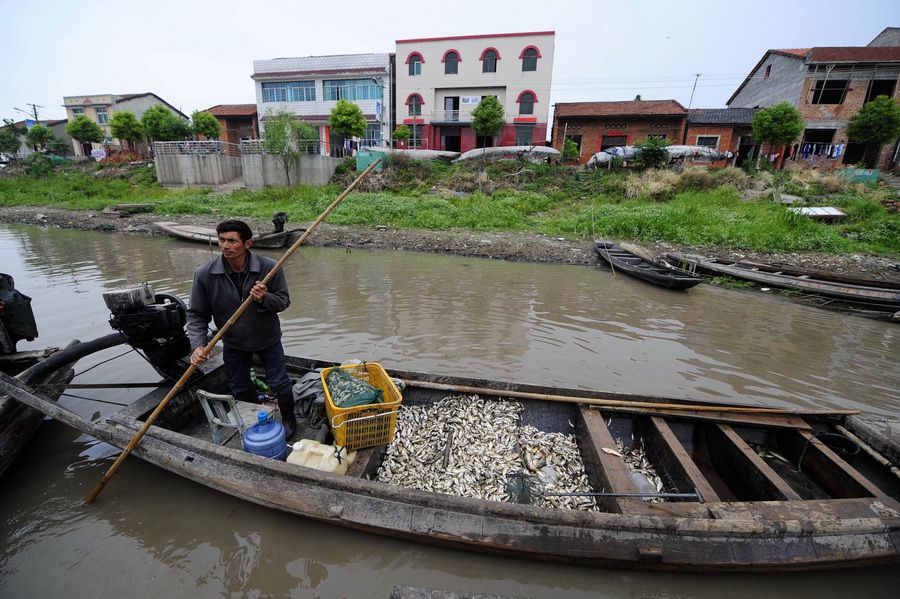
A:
(196, 54)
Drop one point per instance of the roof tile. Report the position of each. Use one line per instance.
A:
(626, 108)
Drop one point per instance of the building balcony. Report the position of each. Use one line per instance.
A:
(451, 117)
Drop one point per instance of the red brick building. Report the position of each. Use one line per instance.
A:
(239, 121)
(595, 126)
(828, 85)
(728, 129)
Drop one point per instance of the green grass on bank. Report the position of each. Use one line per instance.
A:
(694, 208)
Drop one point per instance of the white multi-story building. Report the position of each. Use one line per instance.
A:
(311, 86)
(440, 80)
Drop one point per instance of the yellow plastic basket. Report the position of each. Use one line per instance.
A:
(367, 425)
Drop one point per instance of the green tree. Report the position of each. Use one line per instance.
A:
(9, 138)
(39, 137)
(877, 122)
(402, 133)
(653, 152)
(124, 126)
(160, 124)
(779, 125)
(487, 117)
(205, 124)
(286, 138)
(570, 150)
(347, 119)
(83, 129)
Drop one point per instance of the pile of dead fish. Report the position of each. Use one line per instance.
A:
(465, 446)
(642, 472)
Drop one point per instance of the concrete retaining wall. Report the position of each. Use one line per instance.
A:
(193, 169)
(261, 170)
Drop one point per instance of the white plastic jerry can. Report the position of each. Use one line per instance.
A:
(327, 458)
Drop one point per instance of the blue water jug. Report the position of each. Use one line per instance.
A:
(265, 438)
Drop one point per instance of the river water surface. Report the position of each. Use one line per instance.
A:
(154, 534)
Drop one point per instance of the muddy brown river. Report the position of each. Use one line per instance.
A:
(153, 534)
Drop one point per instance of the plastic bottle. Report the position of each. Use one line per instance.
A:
(265, 438)
(260, 384)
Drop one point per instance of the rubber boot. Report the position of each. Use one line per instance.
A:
(288, 418)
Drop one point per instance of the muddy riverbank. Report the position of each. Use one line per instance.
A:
(514, 246)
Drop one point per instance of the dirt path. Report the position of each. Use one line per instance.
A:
(524, 247)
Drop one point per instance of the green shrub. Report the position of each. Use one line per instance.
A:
(695, 179)
(38, 166)
(347, 165)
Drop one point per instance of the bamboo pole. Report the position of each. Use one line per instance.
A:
(221, 332)
(626, 403)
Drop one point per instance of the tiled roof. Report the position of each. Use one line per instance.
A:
(721, 116)
(123, 97)
(801, 52)
(626, 108)
(855, 54)
(232, 110)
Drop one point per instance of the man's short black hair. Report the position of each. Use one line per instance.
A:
(238, 226)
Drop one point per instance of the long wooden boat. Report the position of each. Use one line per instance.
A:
(209, 236)
(746, 490)
(882, 295)
(620, 259)
(49, 370)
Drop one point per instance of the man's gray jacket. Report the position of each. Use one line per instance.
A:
(215, 296)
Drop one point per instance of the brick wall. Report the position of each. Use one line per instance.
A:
(635, 130)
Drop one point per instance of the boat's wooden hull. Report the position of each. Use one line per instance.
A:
(881, 296)
(622, 260)
(209, 236)
(858, 525)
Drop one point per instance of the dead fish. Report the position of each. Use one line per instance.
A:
(611, 452)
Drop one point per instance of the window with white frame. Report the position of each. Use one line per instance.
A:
(373, 135)
(710, 141)
(78, 110)
(415, 64)
(102, 115)
(289, 91)
(351, 89)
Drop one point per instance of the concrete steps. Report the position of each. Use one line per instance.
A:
(226, 188)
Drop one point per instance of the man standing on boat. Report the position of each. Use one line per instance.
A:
(219, 289)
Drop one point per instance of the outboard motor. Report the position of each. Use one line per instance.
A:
(279, 219)
(152, 323)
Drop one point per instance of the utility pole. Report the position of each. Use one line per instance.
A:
(34, 111)
(690, 102)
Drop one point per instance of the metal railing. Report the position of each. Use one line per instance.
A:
(255, 146)
(451, 116)
(196, 148)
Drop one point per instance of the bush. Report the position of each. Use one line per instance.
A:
(654, 184)
(695, 179)
(38, 166)
(732, 176)
(347, 165)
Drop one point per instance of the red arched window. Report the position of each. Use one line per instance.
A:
(526, 102)
(529, 57)
(489, 59)
(451, 62)
(414, 101)
(415, 60)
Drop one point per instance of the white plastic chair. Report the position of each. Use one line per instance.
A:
(223, 414)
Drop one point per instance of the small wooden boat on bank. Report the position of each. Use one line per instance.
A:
(864, 292)
(209, 236)
(620, 259)
(731, 486)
